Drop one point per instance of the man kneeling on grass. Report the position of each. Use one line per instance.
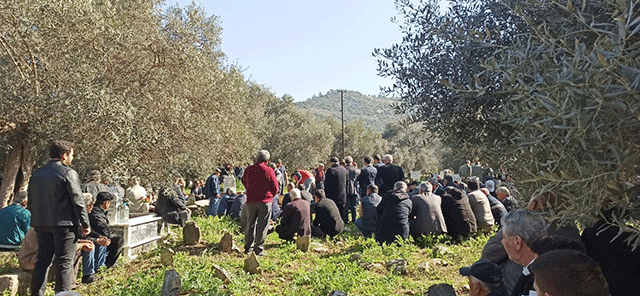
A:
(328, 220)
(296, 217)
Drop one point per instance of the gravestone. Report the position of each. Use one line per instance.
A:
(191, 233)
(172, 284)
(251, 264)
(167, 257)
(221, 273)
(303, 242)
(9, 284)
(226, 243)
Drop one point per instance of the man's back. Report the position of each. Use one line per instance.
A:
(14, 224)
(367, 177)
(457, 213)
(55, 197)
(260, 182)
(481, 209)
(369, 214)
(352, 175)
(428, 214)
(335, 183)
(328, 217)
(388, 175)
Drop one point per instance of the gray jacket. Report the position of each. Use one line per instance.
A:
(426, 214)
(55, 198)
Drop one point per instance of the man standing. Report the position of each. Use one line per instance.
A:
(367, 176)
(285, 177)
(261, 186)
(57, 207)
(377, 163)
(335, 186)
(352, 190)
(212, 192)
(465, 170)
(388, 175)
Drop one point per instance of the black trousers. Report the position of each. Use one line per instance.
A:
(61, 242)
(114, 250)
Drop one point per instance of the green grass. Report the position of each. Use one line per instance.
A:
(286, 271)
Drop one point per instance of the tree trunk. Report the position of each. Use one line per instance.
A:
(17, 168)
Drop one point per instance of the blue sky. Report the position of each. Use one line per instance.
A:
(303, 48)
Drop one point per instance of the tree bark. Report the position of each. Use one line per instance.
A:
(17, 168)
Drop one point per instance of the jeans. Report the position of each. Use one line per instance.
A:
(365, 231)
(213, 205)
(89, 261)
(100, 257)
(258, 216)
(61, 242)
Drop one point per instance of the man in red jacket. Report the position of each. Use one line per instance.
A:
(261, 186)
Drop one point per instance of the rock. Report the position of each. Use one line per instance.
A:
(191, 233)
(438, 262)
(226, 243)
(24, 284)
(9, 284)
(366, 265)
(423, 267)
(251, 264)
(441, 290)
(440, 250)
(221, 273)
(355, 257)
(171, 285)
(303, 242)
(398, 266)
(318, 247)
(167, 257)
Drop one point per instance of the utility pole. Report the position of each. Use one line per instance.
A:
(342, 110)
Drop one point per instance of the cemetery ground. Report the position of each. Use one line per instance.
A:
(348, 262)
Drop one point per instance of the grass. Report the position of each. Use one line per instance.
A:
(286, 271)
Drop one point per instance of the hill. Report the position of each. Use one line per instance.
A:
(375, 111)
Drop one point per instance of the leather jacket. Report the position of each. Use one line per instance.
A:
(55, 198)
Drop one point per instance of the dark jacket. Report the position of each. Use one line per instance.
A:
(497, 209)
(369, 212)
(100, 223)
(335, 184)
(367, 177)
(387, 176)
(620, 264)
(352, 176)
(212, 186)
(236, 207)
(166, 205)
(94, 187)
(457, 213)
(328, 217)
(296, 218)
(393, 217)
(55, 198)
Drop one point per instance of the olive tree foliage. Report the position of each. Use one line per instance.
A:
(359, 141)
(441, 49)
(139, 91)
(415, 149)
(294, 135)
(573, 94)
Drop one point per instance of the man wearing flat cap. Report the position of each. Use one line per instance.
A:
(485, 279)
(105, 255)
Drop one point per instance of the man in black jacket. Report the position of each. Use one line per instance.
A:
(457, 213)
(57, 209)
(388, 175)
(352, 188)
(328, 220)
(105, 255)
(171, 208)
(367, 176)
(335, 186)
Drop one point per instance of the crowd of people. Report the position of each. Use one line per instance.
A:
(528, 254)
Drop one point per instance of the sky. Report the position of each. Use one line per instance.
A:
(302, 48)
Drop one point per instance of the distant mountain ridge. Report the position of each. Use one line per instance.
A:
(375, 111)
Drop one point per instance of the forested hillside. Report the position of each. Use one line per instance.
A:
(374, 111)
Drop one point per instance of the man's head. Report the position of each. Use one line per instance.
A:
(448, 180)
(520, 229)
(367, 160)
(135, 180)
(490, 185)
(568, 273)
(321, 166)
(425, 187)
(21, 198)
(88, 201)
(279, 162)
(294, 194)
(348, 160)
(264, 156)
(217, 172)
(372, 189)
(484, 277)
(334, 160)
(377, 158)
(319, 194)
(62, 150)
(231, 191)
(103, 199)
(290, 186)
(400, 186)
(473, 184)
(502, 193)
(387, 159)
